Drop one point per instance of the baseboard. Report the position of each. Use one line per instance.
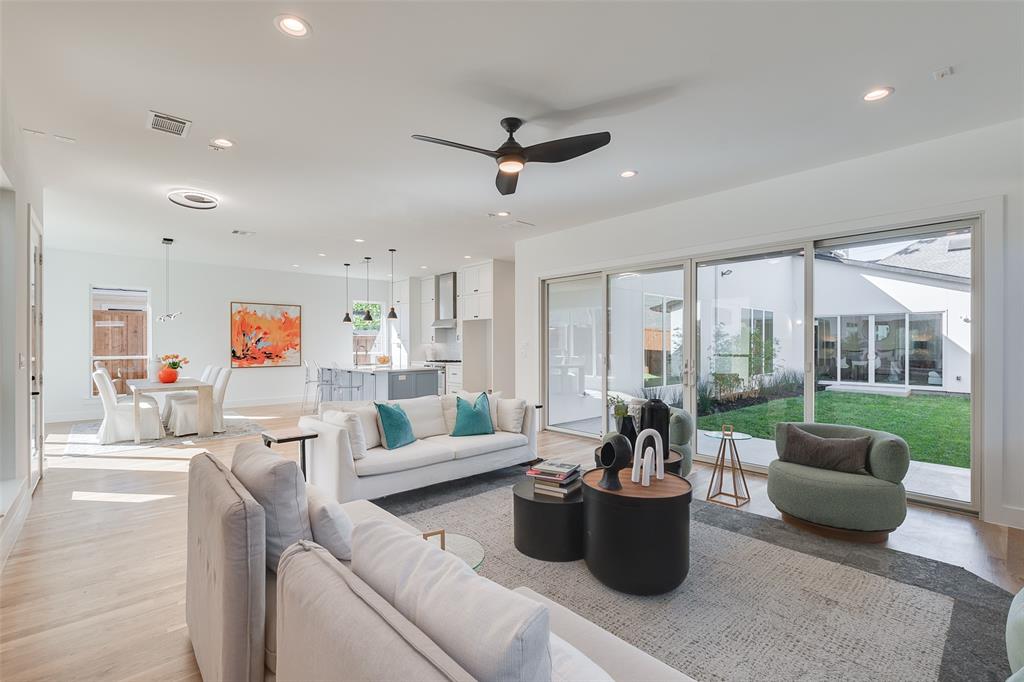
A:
(13, 521)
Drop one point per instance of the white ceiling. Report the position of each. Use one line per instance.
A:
(698, 97)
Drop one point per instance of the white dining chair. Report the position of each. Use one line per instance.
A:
(118, 423)
(207, 377)
(184, 417)
(144, 399)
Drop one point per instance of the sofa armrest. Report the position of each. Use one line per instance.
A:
(329, 462)
(621, 660)
(530, 427)
(889, 457)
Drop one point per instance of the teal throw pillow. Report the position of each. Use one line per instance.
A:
(394, 425)
(475, 419)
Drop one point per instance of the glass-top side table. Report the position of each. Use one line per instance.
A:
(740, 494)
(462, 546)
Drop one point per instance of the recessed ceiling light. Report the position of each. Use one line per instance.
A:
(32, 131)
(359, 241)
(878, 93)
(242, 233)
(423, 267)
(291, 25)
(64, 139)
(499, 214)
(222, 142)
(467, 257)
(193, 198)
(322, 255)
(295, 265)
(627, 174)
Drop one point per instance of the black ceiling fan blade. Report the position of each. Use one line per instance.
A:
(566, 148)
(457, 145)
(506, 182)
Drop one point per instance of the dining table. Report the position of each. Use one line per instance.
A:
(204, 401)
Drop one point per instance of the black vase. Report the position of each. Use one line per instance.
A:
(628, 429)
(655, 415)
(614, 457)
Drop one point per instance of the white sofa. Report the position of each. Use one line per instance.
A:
(314, 618)
(435, 457)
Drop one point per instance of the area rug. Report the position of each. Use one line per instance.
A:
(762, 601)
(83, 442)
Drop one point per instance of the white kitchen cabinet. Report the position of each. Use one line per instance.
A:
(427, 290)
(477, 307)
(402, 292)
(478, 279)
(427, 331)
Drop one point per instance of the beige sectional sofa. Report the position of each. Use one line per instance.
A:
(337, 464)
(315, 618)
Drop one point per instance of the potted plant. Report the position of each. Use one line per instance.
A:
(168, 373)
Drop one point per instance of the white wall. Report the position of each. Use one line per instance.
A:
(980, 170)
(203, 293)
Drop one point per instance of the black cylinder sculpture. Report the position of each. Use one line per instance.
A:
(615, 456)
(655, 415)
(628, 429)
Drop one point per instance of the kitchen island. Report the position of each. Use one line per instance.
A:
(378, 383)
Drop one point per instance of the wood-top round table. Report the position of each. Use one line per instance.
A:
(637, 539)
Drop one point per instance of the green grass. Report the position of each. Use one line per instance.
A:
(936, 427)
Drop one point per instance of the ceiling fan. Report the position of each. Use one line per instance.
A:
(512, 156)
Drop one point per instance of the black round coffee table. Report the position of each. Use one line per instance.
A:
(637, 539)
(546, 527)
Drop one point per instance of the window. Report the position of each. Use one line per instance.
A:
(366, 336)
(120, 335)
(663, 340)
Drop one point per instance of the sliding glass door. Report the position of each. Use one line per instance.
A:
(574, 341)
(750, 349)
(889, 346)
(903, 304)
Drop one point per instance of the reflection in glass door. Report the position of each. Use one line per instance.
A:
(646, 334)
(574, 343)
(750, 349)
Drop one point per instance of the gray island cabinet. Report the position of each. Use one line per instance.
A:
(380, 383)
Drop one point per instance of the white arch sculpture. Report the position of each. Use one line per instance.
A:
(653, 458)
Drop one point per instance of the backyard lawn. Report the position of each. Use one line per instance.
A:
(936, 427)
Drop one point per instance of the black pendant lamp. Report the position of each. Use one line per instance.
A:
(392, 315)
(367, 317)
(348, 300)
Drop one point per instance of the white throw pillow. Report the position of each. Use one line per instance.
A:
(494, 633)
(278, 485)
(492, 400)
(425, 415)
(329, 523)
(367, 414)
(353, 425)
(450, 408)
(569, 664)
(511, 413)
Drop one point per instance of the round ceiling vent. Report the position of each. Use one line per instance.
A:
(193, 198)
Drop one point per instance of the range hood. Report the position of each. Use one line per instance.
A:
(444, 301)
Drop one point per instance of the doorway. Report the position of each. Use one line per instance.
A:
(36, 420)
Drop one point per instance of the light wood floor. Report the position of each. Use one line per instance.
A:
(95, 586)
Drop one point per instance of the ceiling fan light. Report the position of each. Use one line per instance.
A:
(510, 164)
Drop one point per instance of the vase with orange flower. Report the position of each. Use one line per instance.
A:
(168, 373)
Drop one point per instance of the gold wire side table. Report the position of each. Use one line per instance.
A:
(727, 438)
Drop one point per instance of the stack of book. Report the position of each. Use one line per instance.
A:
(557, 479)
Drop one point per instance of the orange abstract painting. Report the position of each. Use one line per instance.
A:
(266, 335)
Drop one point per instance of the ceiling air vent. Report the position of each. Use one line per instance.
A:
(165, 123)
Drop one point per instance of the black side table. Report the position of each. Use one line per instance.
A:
(546, 527)
(291, 436)
(638, 538)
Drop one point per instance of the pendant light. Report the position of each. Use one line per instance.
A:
(168, 315)
(392, 315)
(367, 317)
(348, 301)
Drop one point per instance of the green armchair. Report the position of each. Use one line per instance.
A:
(1015, 638)
(856, 507)
(680, 435)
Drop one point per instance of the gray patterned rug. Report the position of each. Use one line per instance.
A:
(762, 601)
